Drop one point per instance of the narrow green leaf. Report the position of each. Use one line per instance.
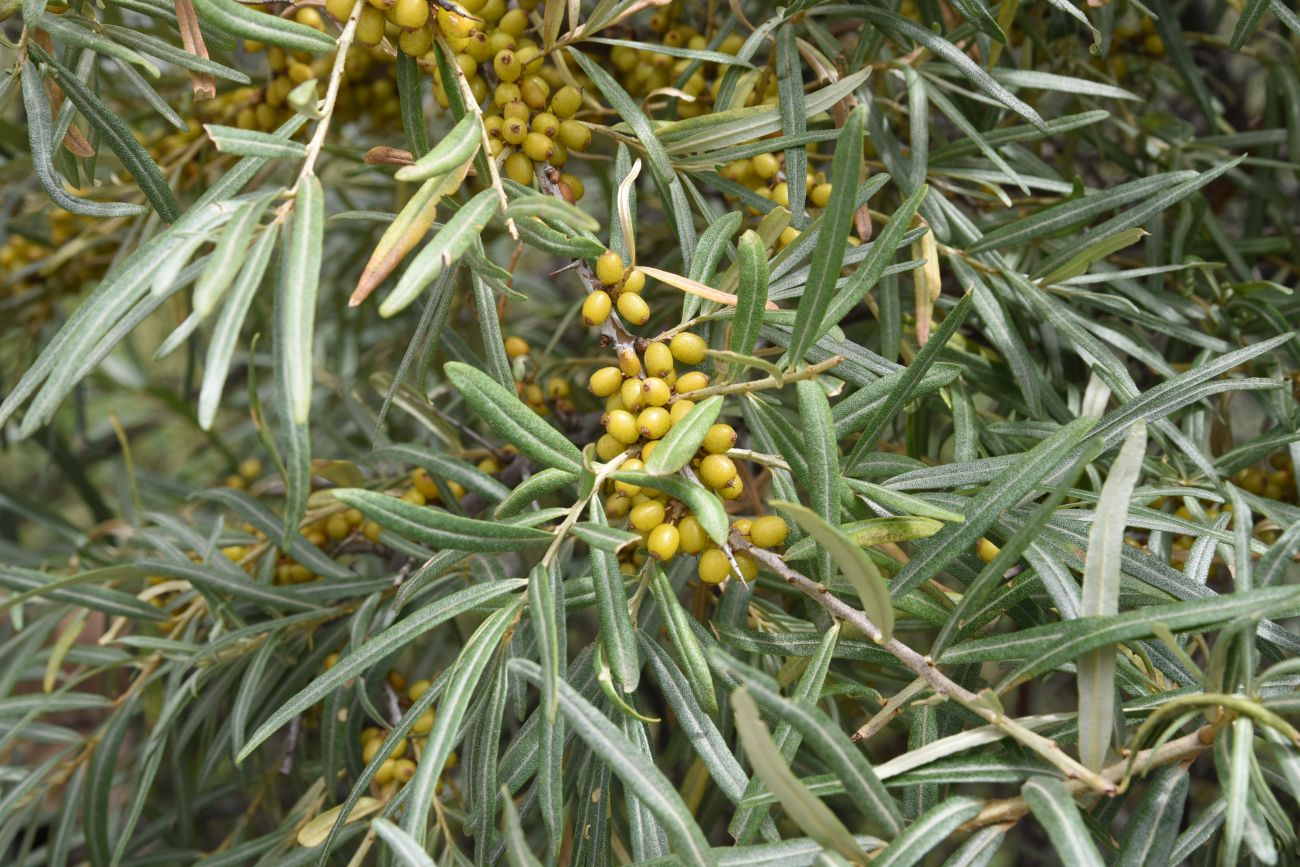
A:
(616, 635)
(704, 503)
(379, 647)
(1054, 808)
(929, 830)
(229, 255)
(803, 807)
(452, 241)
(300, 263)
(505, 413)
(751, 293)
(853, 563)
(251, 143)
(458, 146)
(828, 255)
(553, 210)
(683, 439)
(689, 651)
(536, 486)
(406, 850)
(410, 99)
(1101, 580)
(433, 526)
(638, 774)
(1150, 832)
(229, 16)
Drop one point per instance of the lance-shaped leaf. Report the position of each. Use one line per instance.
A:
(431, 526)
(616, 634)
(453, 240)
(251, 143)
(683, 439)
(379, 647)
(804, 808)
(704, 503)
(457, 147)
(828, 254)
(1054, 808)
(404, 849)
(852, 561)
(300, 263)
(694, 664)
(506, 414)
(636, 771)
(229, 16)
(407, 229)
(1101, 579)
(228, 257)
(928, 830)
(1151, 831)
(751, 293)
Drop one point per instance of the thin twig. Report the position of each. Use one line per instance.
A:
(924, 667)
(765, 383)
(342, 44)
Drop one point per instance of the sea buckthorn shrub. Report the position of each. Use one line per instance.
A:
(601, 432)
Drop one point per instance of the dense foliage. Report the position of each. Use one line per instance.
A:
(561, 432)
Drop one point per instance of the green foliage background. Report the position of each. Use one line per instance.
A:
(1027, 400)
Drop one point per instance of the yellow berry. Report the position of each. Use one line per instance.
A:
(714, 567)
(410, 14)
(986, 550)
(608, 448)
(768, 531)
(595, 309)
(513, 22)
(655, 392)
(692, 381)
(617, 505)
(765, 166)
(513, 130)
(519, 169)
(605, 381)
(748, 566)
(506, 65)
(719, 438)
(679, 409)
(415, 43)
(516, 346)
(545, 123)
(646, 516)
(575, 185)
(634, 282)
(566, 101)
(371, 531)
(658, 358)
(423, 723)
(633, 308)
(820, 195)
(370, 26)
(575, 134)
(653, 422)
(417, 689)
(385, 772)
(717, 471)
(622, 426)
(609, 268)
(693, 538)
(538, 147)
(630, 394)
(733, 490)
(628, 489)
(338, 9)
(688, 348)
(403, 770)
(557, 387)
(663, 542)
(648, 449)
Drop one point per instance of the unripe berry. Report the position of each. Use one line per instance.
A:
(653, 422)
(655, 392)
(608, 448)
(714, 567)
(545, 123)
(595, 309)
(622, 426)
(410, 14)
(516, 346)
(538, 147)
(719, 438)
(717, 471)
(692, 381)
(634, 282)
(630, 394)
(514, 130)
(769, 531)
(663, 542)
(519, 169)
(693, 538)
(688, 348)
(566, 101)
(633, 308)
(575, 134)
(506, 65)
(658, 359)
(986, 550)
(370, 26)
(765, 166)
(680, 408)
(646, 516)
(629, 363)
(605, 381)
(609, 268)
(415, 43)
